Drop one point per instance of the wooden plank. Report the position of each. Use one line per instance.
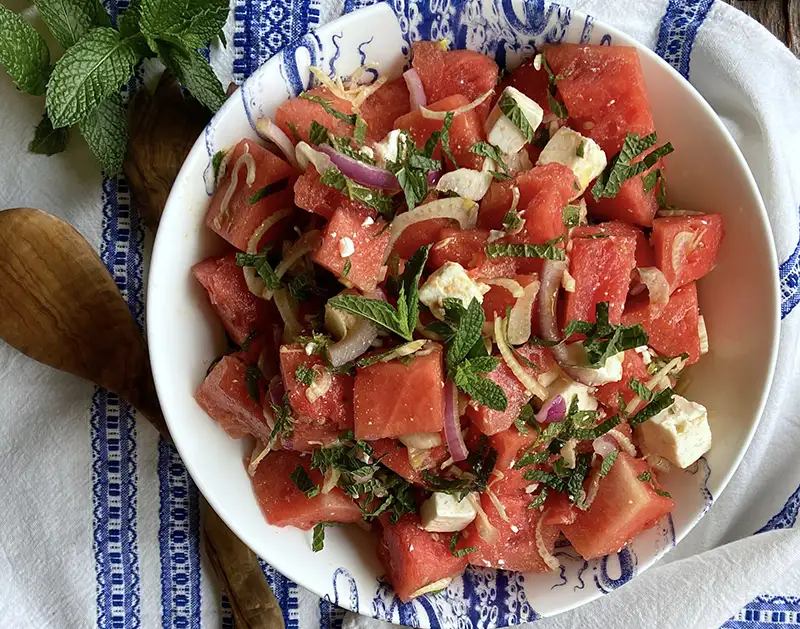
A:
(781, 17)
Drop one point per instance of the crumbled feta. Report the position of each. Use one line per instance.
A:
(679, 433)
(645, 352)
(611, 371)
(564, 148)
(537, 62)
(365, 150)
(467, 183)
(386, 149)
(346, 247)
(368, 221)
(569, 389)
(450, 281)
(503, 133)
(495, 235)
(444, 513)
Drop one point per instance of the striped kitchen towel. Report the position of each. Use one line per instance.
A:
(99, 519)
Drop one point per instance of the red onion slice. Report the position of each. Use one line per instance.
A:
(452, 428)
(365, 174)
(416, 91)
(604, 445)
(552, 272)
(276, 391)
(553, 411)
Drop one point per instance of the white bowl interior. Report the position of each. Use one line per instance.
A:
(739, 300)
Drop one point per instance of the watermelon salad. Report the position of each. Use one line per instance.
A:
(459, 305)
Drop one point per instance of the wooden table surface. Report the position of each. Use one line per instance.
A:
(782, 17)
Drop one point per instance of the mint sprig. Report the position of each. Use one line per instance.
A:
(106, 133)
(621, 167)
(69, 20)
(23, 53)
(46, 140)
(546, 251)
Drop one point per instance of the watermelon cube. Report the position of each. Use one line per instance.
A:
(384, 106)
(631, 204)
(490, 421)
(283, 504)
(632, 367)
(224, 396)
(236, 215)
(355, 237)
(296, 115)
(531, 82)
(314, 196)
(393, 399)
(334, 405)
(414, 558)
(515, 547)
(675, 330)
(499, 298)
(420, 234)
(602, 271)
(544, 219)
(467, 128)
(308, 433)
(604, 90)
(455, 72)
(686, 246)
(456, 245)
(395, 456)
(556, 178)
(509, 444)
(644, 252)
(240, 311)
(624, 507)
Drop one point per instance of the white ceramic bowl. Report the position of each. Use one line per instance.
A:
(739, 301)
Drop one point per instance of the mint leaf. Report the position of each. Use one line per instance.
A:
(411, 169)
(334, 178)
(194, 73)
(106, 132)
(638, 387)
(586, 434)
(252, 376)
(483, 364)
(467, 334)
(512, 222)
(46, 140)
(262, 266)
(201, 28)
(348, 266)
(444, 137)
(216, 162)
(620, 168)
(23, 53)
(605, 468)
(645, 477)
(482, 390)
(539, 500)
(512, 110)
(556, 106)
(571, 216)
(90, 72)
(661, 401)
(546, 251)
(303, 481)
(318, 542)
(379, 312)
(350, 119)
(605, 339)
(272, 188)
(317, 133)
(410, 283)
(650, 180)
(69, 20)
(305, 375)
(492, 152)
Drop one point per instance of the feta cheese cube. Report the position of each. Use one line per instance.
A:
(569, 389)
(586, 159)
(503, 133)
(467, 183)
(346, 247)
(386, 149)
(444, 513)
(679, 433)
(611, 371)
(450, 281)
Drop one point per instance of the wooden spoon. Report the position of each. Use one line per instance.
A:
(59, 305)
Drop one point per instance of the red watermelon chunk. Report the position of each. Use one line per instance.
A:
(509, 444)
(283, 504)
(557, 179)
(393, 399)
(467, 128)
(544, 219)
(674, 331)
(313, 195)
(624, 507)
(631, 204)
(602, 271)
(244, 212)
(309, 432)
(531, 82)
(299, 113)
(223, 395)
(632, 367)
(604, 91)
(686, 246)
(414, 558)
(515, 547)
(419, 234)
(336, 405)
(240, 311)
(454, 72)
(369, 239)
(491, 422)
(457, 245)
(383, 107)
(394, 455)
(499, 298)
(644, 252)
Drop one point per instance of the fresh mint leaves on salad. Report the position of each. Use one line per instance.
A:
(484, 149)
(303, 482)
(512, 110)
(82, 88)
(545, 251)
(272, 188)
(305, 375)
(378, 201)
(605, 339)
(258, 261)
(621, 167)
(556, 106)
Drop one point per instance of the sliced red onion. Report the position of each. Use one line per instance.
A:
(552, 272)
(365, 174)
(553, 411)
(434, 176)
(604, 445)
(276, 391)
(416, 91)
(357, 341)
(452, 428)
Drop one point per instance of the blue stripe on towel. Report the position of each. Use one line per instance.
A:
(179, 535)
(113, 434)
(679, 26)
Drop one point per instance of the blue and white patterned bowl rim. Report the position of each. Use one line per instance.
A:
(508, 31)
